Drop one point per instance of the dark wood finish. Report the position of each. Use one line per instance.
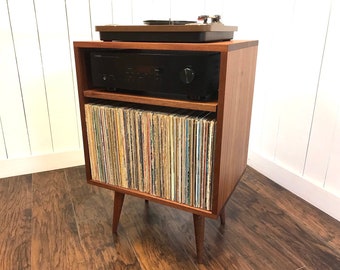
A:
(153, 198)
(233, 109)
(83, 85)
(54, 220)
(237, 78)
(234, 104)
(53, 214)
(16, 222)
(222, 216)
(184, 104)
(199, 223)
(117, 209)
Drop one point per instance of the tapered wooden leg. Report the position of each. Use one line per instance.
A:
(117, 209)
(222, 215)
(199, 222)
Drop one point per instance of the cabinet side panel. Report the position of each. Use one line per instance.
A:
(233, 120)
(82, 81)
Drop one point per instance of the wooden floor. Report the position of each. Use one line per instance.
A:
(55, 220)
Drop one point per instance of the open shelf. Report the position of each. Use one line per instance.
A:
(210, 106)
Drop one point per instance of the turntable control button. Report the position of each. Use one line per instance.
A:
(187, 75)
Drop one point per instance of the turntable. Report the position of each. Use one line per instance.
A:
(169, 31)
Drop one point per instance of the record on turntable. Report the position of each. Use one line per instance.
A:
(167, 31)
(167, 22)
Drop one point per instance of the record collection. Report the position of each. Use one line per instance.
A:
(166, 152)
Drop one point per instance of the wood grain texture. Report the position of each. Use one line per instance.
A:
(15, 222)
(55, 220)
(93, 208)
(210, 106)
(233, 118)
(223, 46)
(236, 83)
(199, 224)
(55, 239)
(117, 209)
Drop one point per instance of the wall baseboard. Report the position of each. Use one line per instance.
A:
(34, 164)
(314, 194)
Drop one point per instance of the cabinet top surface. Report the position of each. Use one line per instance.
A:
(221, 46)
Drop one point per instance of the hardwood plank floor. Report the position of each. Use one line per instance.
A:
(55, 220)
(15, 222)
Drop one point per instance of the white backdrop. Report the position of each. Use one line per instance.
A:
(295, 133)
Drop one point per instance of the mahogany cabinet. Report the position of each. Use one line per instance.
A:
(233, 114)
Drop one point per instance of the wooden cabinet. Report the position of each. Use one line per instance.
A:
(233, 113)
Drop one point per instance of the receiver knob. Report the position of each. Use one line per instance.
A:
(187, 75)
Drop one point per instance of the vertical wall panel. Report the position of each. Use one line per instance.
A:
(289, 61)
(271, 29)
(3, 154)
(101, 14)
(332, 182)
(324, 153)
(79, 28)
(79, 20)
(186, 10)
(52, 26)
(122, 12)
(157, 9)
(11, 107)
(272, 26)
(213, 7)
(27, 49)
(300, 81)
(143, 10)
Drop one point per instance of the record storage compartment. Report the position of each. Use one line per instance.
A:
(165, 152)
(223, 125)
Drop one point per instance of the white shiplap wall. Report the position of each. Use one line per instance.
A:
(295, 133)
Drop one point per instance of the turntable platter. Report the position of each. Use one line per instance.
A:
(167, 22)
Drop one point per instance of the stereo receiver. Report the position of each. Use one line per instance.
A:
(172, 74)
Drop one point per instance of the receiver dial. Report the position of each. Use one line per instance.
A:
(187, 75)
